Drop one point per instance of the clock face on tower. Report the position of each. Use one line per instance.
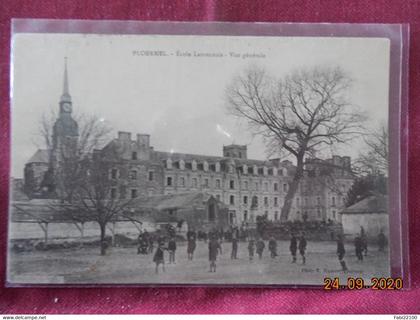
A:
(66, 107)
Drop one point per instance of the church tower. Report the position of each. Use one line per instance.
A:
(65, 135)
(65, 130)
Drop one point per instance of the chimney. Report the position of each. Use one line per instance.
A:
(124, 136)
(143, 140)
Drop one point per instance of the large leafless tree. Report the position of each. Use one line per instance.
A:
(298, 114)
(83, 175)
(96, 197)
(374, 160)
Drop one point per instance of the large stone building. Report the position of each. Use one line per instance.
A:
(248, 187)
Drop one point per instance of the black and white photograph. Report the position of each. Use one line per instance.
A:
(198, 159)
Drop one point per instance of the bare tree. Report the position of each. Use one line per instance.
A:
(375, 160)
(96, 198)
(298, 114)
(93, 132)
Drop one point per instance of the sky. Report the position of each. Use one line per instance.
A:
(178, 99)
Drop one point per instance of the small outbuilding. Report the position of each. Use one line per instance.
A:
(371, 214)
(199, 210)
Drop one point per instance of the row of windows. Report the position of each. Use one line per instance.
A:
(114, 194)
(318, 201)
(216, 167)
(232, 184)
(254, 200)
(305, 214)
(132, 174)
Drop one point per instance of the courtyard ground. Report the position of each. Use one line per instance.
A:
(125, 266)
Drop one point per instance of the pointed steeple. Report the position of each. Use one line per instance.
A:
(65, 97)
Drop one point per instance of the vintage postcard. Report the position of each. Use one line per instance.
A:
(198, 159)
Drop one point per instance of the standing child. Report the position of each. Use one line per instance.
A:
(302, 247)
(260, 248)
(171, 250)
(293, 247)
(272, 246)
(341, 251)
(158, 258)
(150, 244)
(358, 247)
(235, 235)
(381, 241)
(251, 249)
(191, 238)
(214, 248)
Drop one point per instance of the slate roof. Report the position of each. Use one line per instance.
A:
(40, 156)
(173, 201)
(371, 204)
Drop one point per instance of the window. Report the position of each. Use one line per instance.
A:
(318, 212)
(245, 185)
(240, 154)
(206, 183)
(217, 183)
(266, 186)
(254, 202)
(306, 201)
(133, 193)
(276, 186)
(113, 193)
(333, 201)
(134, 155)
(245, 215)
(333, 214)
(182, 181)
(285, 187)
(318, 200)
(276, 203)
(297, 201)
(169, 181)
(245, 199)
(232, 199)
(123, 192)
(212, 212)
(151, 175)
(232, 184)
(114, 173)
(256, 186)
(266, 213)
(194, 182)
(232, 217)
(276, 215)
(218, 197)
(133, 175)
(266, 201)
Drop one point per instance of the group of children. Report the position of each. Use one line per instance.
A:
(215, 248)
